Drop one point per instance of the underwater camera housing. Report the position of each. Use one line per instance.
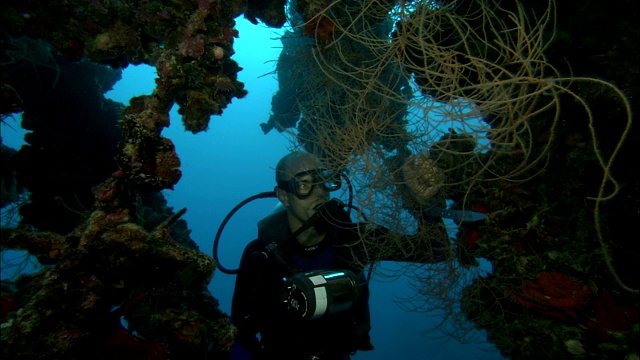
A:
(313, 294)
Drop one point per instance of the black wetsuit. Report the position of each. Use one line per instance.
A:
(258, 307)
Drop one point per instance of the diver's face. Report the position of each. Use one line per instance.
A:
(301, 208)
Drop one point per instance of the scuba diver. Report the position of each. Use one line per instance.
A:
(301, 291)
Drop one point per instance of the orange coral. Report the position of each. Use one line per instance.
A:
(553, 294)
(322, 28)
(611, 316)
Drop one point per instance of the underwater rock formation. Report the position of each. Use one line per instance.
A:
(73, 132)
(318, 72)
(11, 189)
(270, 12)
(122, 278)
(112, 272)
(192, 41)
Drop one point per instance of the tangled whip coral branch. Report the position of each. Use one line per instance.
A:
(606, 168)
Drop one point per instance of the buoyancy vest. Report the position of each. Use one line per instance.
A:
(274, 235)
(274, 227)
(273, 231)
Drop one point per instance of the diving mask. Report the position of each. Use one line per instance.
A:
(303, 183)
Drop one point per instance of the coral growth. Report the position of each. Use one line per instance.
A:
(270, 12)
(554, 294)
(69, 149)
(121, 33)
(110, 262)
(149, 160)
(118, 259)
(10, 101)
(527, 110)
(423, 177)
(316, 24)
